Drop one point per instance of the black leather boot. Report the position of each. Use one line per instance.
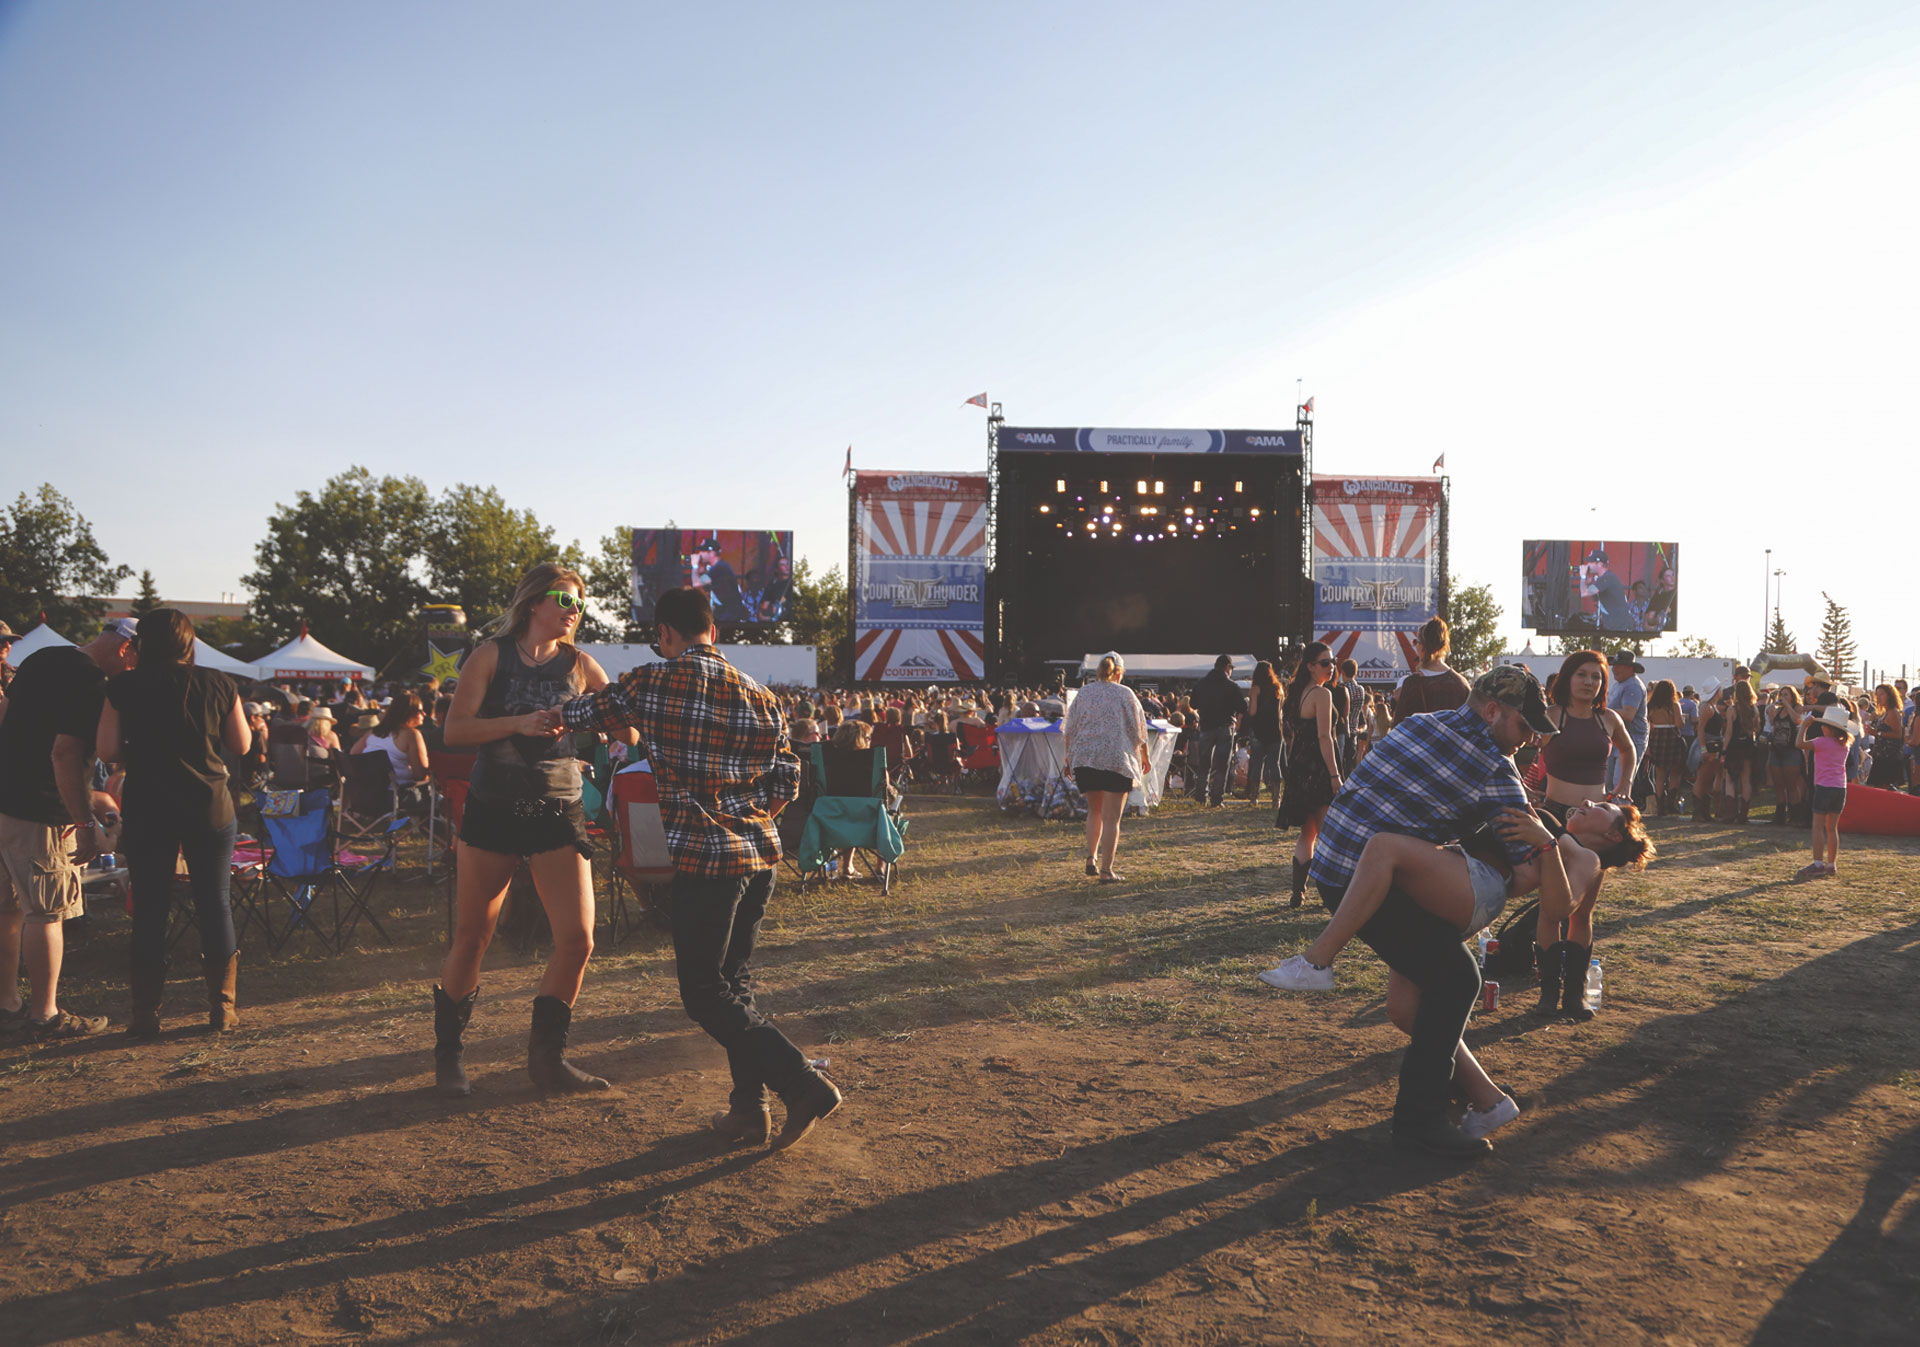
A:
(149, 982)
(449, 1023)
(1552, 961)
(1573, 990)
(1299, 884)
(547, 1046)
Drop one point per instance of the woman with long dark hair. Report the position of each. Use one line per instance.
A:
(397, 734)
(1313, 764)
(1743, 735)
(1887, 727)
(1576, 756)
(523, 802)
(168, 723)
(1263, 732)
(1666, 750)
(1784, 769)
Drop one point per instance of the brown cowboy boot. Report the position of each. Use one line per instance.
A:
(222, 1015)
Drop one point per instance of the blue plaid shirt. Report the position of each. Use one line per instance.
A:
(1436, 776)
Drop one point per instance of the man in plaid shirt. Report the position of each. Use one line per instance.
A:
(719, 750)
(1436, 776)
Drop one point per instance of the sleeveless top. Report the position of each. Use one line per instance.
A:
(522, 767)
(1579, 752)
(1265, 724)
(402, 768)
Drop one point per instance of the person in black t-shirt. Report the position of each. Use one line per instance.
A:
(168, 723)
(46, 751)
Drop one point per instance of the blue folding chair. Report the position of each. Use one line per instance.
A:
(300, 869)
(853, 813)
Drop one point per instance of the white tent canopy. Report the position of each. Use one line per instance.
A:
(304, 657)
(39, 638)
(212, 657)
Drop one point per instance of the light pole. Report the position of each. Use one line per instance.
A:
(1766, 593)
(1776, 602)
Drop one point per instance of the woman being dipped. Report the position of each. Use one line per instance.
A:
(523, 801)
(1313, 763)
(167, 722)
(1576, 756)
(1106, 742)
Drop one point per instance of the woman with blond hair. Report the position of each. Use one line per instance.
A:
(1106, 742)
(523, 802)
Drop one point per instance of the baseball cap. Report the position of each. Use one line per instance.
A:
(1597, 555)
(123, 627)
(1513, 685)
(1628, 658)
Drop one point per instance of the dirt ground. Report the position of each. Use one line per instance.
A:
(1072, 1117)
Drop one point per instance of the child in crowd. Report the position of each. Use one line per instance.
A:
(1827, 734)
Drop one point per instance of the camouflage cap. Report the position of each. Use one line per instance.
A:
(1514, 685)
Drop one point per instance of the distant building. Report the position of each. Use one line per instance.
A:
(194, 611)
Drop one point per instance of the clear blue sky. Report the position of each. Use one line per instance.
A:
(1640, 270)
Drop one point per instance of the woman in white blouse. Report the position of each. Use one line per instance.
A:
(1106, 734)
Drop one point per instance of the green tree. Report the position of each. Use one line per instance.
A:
(608, 571)
(817, 616)
(476, 549)
(1695, 647)
(1837, 650)
(148, 598)
(240, 637)
(1473, 619)
(50, 563)
(347, 562)
(1780, 641)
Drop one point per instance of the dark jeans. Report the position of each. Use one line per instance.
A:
(151, 845)
(715, 922)
(1426, 950)
(1209, 761)
(1263, 760)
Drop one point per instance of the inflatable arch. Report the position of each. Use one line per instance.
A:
(1764, 664)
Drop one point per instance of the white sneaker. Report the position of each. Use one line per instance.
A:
(1480, 1125)
(1297, 975)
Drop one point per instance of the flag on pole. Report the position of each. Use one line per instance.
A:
(1439, 463)
(978, 400)
(1308, 407)
(848, 470)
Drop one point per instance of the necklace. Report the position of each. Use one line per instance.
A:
(528, 655)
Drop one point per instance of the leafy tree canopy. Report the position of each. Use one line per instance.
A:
(1473, 621)
(477, 547)
(50, 563)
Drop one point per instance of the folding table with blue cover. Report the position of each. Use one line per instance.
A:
(852, 813)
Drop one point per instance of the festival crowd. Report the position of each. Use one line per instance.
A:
(1417, 812)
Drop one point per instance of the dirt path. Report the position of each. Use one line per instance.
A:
(1072, 1117)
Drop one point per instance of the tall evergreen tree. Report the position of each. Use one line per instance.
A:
(148, 598)
(1837, 650)
(1780, 641)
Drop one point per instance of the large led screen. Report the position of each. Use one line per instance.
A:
(1572, 587)
(747, 573)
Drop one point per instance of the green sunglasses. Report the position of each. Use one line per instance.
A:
(566, 598)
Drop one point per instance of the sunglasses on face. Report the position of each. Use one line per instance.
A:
(1323, 664)
(566, 598)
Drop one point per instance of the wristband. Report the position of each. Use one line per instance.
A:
(1538, 852)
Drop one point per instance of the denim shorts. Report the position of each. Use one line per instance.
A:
(1489, 892)
(1829, 799)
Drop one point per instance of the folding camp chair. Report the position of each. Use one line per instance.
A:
(369, 798)
(979, 752)
(642, 863)
(300, 870)
(453, 795)
(443, 824)
(942, 762)
(853, 813)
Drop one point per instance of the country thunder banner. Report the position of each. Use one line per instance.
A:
(1376, 560)
(919, 577)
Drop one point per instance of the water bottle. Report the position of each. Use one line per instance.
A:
(1591, 998)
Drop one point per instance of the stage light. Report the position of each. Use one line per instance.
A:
(1103, 488)
(1237, 486)
(1046, 509)
(1060, 484)
(1189, 510)
(1137, 538)
(1199, 528)
(1196, 486)
(1255, 512)
(1159, 488)
(1143, 487)
(1089, 526)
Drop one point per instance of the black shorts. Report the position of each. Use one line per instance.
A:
(1090, 779)
(524, 827)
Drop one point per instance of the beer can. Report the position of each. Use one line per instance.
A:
(1489, 996)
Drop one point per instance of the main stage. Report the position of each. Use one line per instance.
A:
(1160, 542)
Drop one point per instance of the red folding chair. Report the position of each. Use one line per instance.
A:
(642, 862)
(980, 751)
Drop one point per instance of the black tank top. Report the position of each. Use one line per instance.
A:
(523, 767)
(1578, 753)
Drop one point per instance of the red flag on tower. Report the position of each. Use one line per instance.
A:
(1309, 407)
(848, 470)
(978, 400)
(1439, 463)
